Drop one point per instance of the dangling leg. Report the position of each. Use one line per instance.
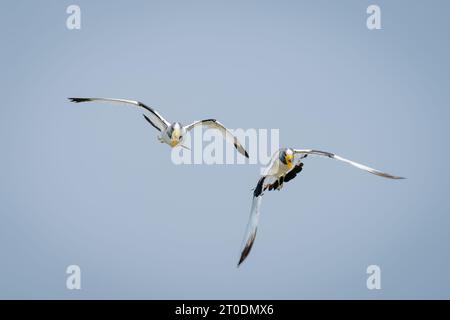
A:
(280, 183)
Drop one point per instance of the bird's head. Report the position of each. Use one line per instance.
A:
(175, 133)
(287, 157)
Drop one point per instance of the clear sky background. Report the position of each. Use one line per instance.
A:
(90, 185)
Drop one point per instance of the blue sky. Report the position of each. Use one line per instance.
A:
(90, 184)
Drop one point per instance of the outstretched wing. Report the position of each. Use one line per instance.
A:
(355, 164)
(214, 124)
(154, 118)
(252, 226)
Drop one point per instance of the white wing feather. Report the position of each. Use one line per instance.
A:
(252, 227)
(353, 163)
(214, 124)
(154, 117)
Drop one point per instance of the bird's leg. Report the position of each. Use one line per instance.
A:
(280, 183)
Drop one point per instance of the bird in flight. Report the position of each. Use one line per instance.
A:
(281, 169)
(171, 133)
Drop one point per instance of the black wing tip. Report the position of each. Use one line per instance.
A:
(208, 120)
(259, 188)
(244, 255)
(78, 100)
(245, 154)
(390, 176)
(248, 248)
